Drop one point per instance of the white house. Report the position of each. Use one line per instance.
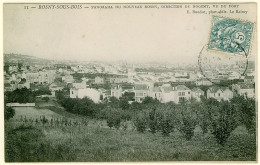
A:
(79, 85)
(196, 93)
(184, 93)
(99, 80)
(91, 93)
(116, 91)
(244, 89)
(168, 94)
(204, 82)
(55, 87)
(68, 79)
(141, 91)
(176, 94)
(219, 93)
(157, 93)
(234, 75)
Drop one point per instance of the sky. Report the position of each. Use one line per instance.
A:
(134, 35)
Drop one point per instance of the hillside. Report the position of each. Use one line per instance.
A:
(15, 58)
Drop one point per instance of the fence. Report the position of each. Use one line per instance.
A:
(20, 104)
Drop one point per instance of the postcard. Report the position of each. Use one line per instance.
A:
(130, 82)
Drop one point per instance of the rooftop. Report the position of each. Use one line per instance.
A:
(141, 87)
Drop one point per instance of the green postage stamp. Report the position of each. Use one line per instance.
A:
(231, 35)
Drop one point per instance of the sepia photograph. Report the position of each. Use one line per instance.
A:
(130, 82)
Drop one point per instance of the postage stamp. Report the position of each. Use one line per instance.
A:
(230, 35)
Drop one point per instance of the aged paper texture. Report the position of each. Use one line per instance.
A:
(130, 82)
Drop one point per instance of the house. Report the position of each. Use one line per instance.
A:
(168, 93)
(126, 87)
(204, 82)
(167, 79)
(184, 93)
(103, 93)
(118, 79)
(79, 85)
(157, 93)
(91, 93)
(219, 93)
(116, 91)
(41, 77)
(234, 75)
(68, 79)
(244, 89)
(32, 77)
(55, 87)
(196, 93)
(141, 91)
(99, 80)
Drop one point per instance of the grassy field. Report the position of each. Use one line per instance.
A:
(28, 142)
(32, 112)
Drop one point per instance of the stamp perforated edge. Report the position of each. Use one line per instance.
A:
(224, 52)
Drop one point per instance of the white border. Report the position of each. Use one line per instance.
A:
(118, 1)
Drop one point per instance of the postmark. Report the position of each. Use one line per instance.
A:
(218, 68)
(225, 57)
(230, 35)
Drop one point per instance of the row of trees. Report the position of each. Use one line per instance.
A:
(217, 118)
(24, 95)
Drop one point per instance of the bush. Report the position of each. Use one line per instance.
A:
(223, 121)
(246, 112)
(153, 123)
(187, 120)
(166, 127)
(203, 118)
(114, 118)
(140, 122)
(46, 99)
(187, 128)
(9, 113)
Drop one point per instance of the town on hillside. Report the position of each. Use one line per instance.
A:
(99, 81)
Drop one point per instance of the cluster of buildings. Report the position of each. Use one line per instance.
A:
(124, 78)
(165, 93)
(25, 79)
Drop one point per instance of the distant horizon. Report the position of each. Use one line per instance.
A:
(106, 61)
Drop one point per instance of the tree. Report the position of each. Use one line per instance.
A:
(46, 99)
(27, 67)
(123, 103)
(140, 122)
(245, 112)
(129, 96)
(6, 68)
(9, 112)
(166, 126)
(187, 120)
(84, 106)
(203, 117)
(19, 66)
(153, 124)
(223, 121)
(114, 102)
(22, 95)
(150, 100)
(114, 118)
